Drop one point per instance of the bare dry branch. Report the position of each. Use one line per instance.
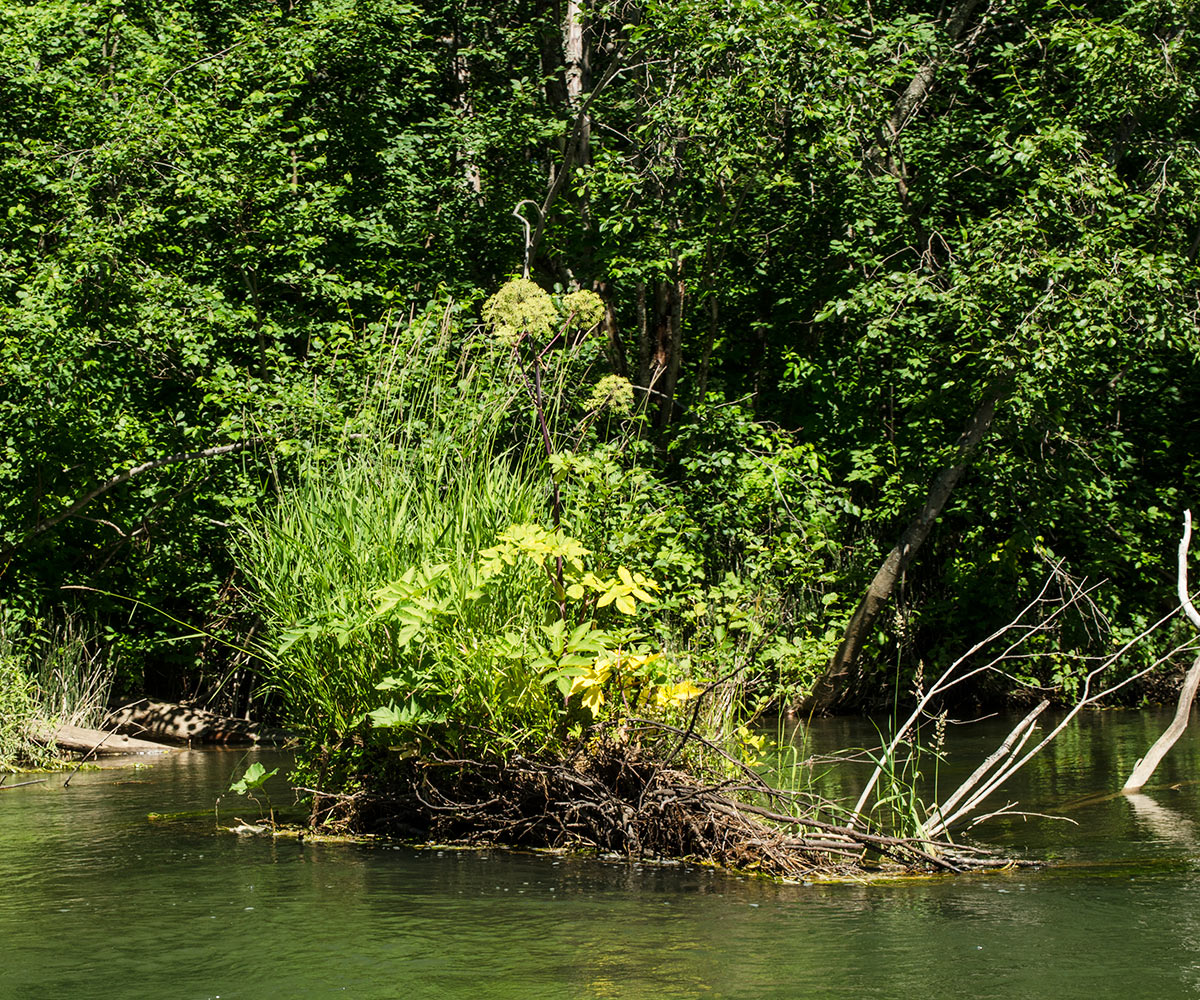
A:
(1187, 694)
(1012, 744)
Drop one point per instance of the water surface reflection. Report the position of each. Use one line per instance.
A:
(96, 901)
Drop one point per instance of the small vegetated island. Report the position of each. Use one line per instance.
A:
(521, 403)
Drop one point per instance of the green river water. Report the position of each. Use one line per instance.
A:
(96, 901)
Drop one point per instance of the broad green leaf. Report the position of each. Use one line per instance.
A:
(255, 777)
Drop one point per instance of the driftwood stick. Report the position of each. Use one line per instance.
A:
(1148, 764)
(1187, 694)
(1185, 601)
(976, 796)
(82, 760)
(877, 841)
(741, 765)
(1007, 811)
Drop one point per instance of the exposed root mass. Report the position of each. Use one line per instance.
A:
(615, 798)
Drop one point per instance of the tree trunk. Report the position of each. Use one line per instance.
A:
(573, 53)
(671, 343)
(551, 51)
(575, 152)
(187, 724)
(914, 94)
(660, 341)
(1149, 764)
(460, 70)
(575, 66)
(96, 742)
(709, 342)
(843, 675)
(643, 343)
(907, 105)
(614, 347)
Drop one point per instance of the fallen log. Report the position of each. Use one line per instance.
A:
(97, 742)
(185, 724)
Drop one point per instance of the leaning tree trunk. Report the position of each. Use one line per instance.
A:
(842, 676)
(889, 154)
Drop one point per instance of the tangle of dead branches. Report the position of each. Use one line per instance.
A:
(617, 797)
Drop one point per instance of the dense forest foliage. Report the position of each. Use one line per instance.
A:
(893, 299)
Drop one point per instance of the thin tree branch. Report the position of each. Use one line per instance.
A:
(572, 152)
(124, 477)
(199, 62)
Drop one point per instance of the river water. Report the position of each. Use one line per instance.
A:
(98, 901)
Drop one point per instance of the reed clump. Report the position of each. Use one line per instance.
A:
(61, 674)
(421, 481)
(21, 719)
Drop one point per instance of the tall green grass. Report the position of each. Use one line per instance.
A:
(443, 457)
(74, 675)
(20, 716)
(59, 673)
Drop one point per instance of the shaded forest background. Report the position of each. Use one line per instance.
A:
(841, 248)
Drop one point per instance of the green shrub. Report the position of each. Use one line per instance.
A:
(407, 581)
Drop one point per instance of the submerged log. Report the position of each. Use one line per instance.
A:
(186, 724)
(98, 742)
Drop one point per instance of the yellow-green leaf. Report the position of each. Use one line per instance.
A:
(593, 698)
(675, 694)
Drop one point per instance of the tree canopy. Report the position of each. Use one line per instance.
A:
(825, 235)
